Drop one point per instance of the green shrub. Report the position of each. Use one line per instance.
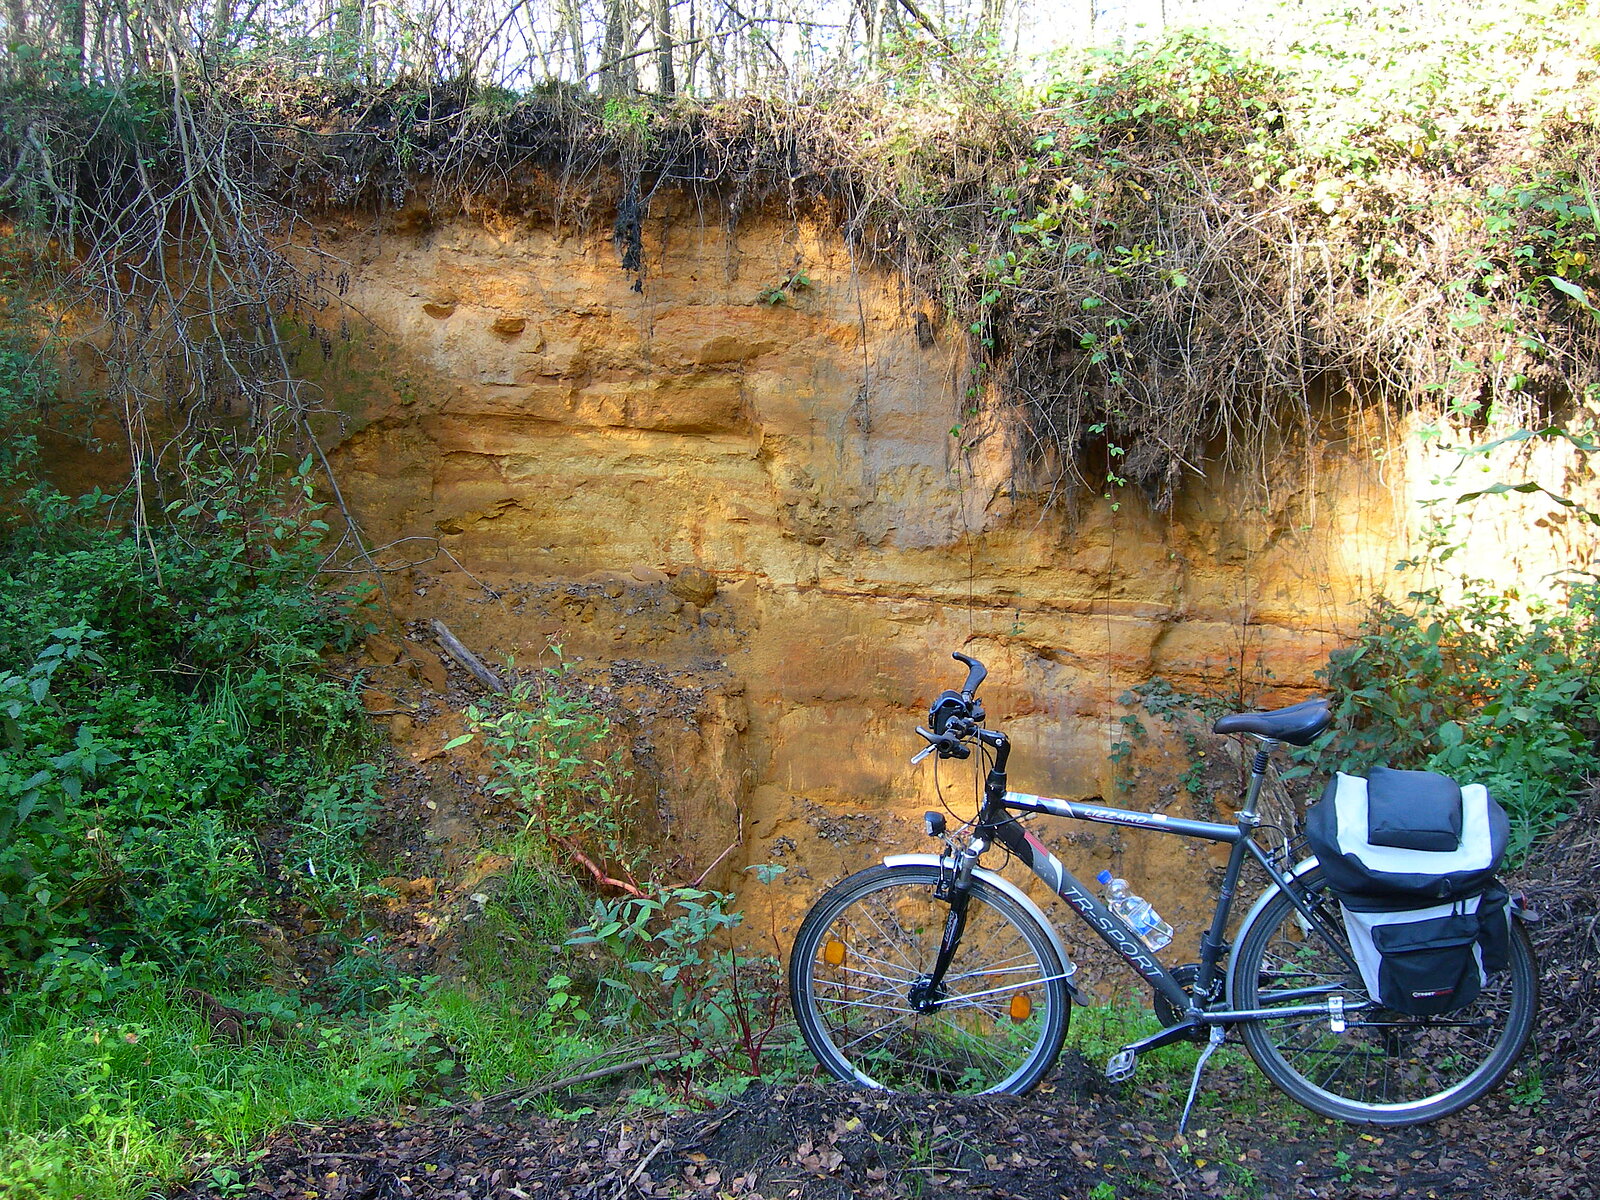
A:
(554, 762)
(667, 964)
(166, 690)
(680, 978)
(1494, 687)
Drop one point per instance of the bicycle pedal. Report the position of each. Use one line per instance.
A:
(1120, 1066)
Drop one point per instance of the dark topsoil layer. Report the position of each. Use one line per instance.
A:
(1075, 1137)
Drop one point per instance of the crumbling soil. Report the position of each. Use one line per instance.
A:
(1073, 1138)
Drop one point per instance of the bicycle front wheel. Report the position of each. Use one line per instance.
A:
(1384, 1068)
(999, 1016)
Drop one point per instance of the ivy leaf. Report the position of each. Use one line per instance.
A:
(1528, 486)
(1573, 292)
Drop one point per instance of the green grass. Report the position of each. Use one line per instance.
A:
(112, 1085)
(124, 1099)
(1163, 1076)
(113, 1103)
(519, 940)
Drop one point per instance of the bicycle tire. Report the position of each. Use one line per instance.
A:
(870, 937)
(1386, 1068)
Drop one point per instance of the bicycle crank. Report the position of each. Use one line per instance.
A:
(1186, 975)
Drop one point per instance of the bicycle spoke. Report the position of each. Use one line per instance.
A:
(1000, 1006)
(1384, 1066)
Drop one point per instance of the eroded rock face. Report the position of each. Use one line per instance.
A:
(781, 495)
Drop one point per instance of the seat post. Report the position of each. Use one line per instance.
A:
(1258, 775)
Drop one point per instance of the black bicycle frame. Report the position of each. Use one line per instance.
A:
(996, 823)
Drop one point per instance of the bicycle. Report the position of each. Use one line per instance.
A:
(930, 972)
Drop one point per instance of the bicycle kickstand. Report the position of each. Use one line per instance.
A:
(1212, 1042)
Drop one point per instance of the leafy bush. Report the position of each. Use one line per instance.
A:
(683, 981)
(670, 967)
(552, 762)
(1493, 688)
(168, 689)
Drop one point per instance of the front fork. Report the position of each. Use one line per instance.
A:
(956, 886)
(927, 993)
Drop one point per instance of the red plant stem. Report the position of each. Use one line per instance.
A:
(625, 885)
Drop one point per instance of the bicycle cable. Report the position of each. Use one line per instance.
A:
(938, 789)
(987, 757)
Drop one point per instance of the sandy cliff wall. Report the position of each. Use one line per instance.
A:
(735, 490)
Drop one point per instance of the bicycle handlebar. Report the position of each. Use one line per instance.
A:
(976, 674)
(948, 745)
(955, 716)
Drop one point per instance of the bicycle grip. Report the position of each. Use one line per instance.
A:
(976, 674)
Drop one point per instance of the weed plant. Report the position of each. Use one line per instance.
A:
(663, 961)
(1484, 682)
(1100, 1030)
(164, 705)
(166, 692)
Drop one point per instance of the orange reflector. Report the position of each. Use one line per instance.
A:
(1021, 1007)
(833, 954)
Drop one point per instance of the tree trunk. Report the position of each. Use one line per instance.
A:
(572, 21)
(994, 12)
(73, 27)
(611, 72)
(694, 49)
(17, 20)
(26, 66)
(666, 80)
(348, 20)
(221, 32)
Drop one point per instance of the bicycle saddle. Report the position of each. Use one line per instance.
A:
(1298, 724)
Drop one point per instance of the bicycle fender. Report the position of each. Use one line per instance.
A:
(1000, 884)
(1294, 872)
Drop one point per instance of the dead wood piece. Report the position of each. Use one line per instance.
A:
(644, 1162)
(474, 665)
(571, 1081)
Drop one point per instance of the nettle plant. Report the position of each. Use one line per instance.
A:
(167, 693)
(1480, 682)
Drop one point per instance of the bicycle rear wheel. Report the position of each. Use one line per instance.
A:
(871, 938)
(1385, 1068)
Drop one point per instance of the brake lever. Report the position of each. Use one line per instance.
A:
(947, 746)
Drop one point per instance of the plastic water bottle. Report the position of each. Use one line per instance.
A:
(1141, 918)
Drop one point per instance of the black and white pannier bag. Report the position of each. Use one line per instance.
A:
(1411, 857)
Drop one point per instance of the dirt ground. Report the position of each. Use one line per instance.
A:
(1069, 1140)
(1076, 1137)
